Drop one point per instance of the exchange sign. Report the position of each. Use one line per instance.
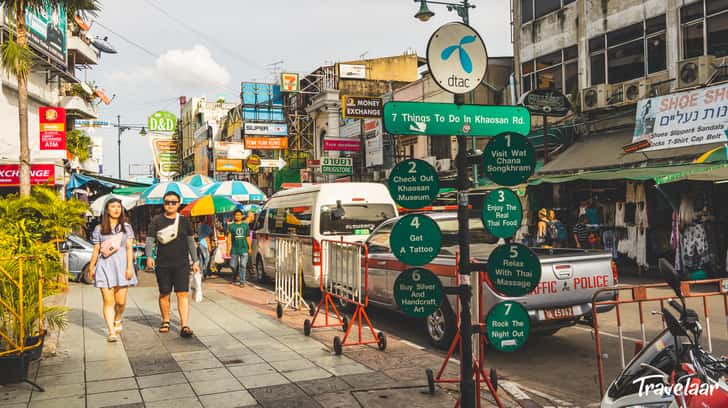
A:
(418, 292)
(507, 326)
(457, 58)
(415, 239)
(514, 270)
(336, 165)
(413, 184)
(502, 213)
(361, 107)
(509, 159)
(447, 119)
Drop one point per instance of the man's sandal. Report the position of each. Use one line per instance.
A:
(186, 332)
(117, 326)
(164, 328)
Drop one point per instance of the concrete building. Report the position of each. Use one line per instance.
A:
(200, 125)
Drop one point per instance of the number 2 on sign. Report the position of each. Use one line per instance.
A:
(415, 222)
(413, 167)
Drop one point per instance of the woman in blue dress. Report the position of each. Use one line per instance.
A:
(112, 263)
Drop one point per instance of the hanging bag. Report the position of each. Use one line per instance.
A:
(111, 245)
(168, 233)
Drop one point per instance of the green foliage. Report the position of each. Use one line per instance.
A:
(78, 144)
(16, 59)
(31, 227)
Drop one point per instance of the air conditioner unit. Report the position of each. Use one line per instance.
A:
(430, 159)
(695, 71)
(594, 97)
(443, 164)
(633, 91)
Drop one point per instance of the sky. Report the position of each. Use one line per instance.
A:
(170, 48)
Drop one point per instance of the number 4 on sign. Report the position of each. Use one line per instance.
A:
(415, 222)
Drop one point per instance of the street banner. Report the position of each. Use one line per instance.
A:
(683, 119)
(360, 107)
(266, 143)
(336, 165)
(39, 174)
(165, 156)
(202, 160)
(231, 150)
(229, 165)
(350, 130)
(374, 142)
(52, 128)
(351, 71)
(266, 129)
(342, 145)
(46, 28)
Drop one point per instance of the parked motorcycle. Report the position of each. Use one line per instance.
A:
(673, 370)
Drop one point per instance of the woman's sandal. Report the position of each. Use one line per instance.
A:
(117, 326)
(186, 332)
(112, 338)
(164, 328)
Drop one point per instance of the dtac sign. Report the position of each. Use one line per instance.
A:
(162, 121)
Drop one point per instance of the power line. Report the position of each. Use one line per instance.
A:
(203, 35)
(128, 40)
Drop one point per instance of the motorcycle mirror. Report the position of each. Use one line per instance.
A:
(672, 324)
(670, 276)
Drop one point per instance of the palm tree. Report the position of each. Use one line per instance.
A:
(17, 60)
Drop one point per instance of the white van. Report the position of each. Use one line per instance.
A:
(314, 213)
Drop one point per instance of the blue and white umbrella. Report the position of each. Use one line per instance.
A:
(238, 190)
(155, 194)
(198, 180)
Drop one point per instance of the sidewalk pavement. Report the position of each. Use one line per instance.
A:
(240, 356)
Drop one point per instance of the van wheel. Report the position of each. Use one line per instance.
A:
(441, 326)
(85, 275)
(259, 271)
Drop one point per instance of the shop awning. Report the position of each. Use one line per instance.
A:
(668, 172)
(604, 151)
(130, 190)
(712, 173)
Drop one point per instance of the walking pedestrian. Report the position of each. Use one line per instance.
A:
(112, 264)
(238, 246)
(203, 240)
(175, 247)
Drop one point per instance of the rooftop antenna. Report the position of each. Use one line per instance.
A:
(362, 55)
(275, 69)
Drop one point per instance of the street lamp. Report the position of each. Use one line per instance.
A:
(461, 8)
(120, 129)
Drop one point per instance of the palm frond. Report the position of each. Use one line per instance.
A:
(16, 59)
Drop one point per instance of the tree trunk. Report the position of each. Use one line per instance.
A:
(24, 164)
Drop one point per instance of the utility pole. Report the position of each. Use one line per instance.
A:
(118, 140)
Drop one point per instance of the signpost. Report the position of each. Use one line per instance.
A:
(546, 102)
(509, 159)
(446, 119)
(413, 184)
(418, 292)
(514, 270)
(502, 213)
(336, 165)
(415, 239)
(507, 326)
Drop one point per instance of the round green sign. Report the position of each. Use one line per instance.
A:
(418, 292)
(502, 213)
(509, 159)
(415, 239)
(507, 326)
(514, 270)
(413, 184)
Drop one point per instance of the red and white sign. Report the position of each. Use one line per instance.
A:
(52, 128)
(313, 163)
(39, 174)
(342, 145)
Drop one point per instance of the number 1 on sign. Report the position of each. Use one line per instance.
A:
(508, 140)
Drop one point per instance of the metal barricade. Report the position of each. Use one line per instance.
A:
(345, 269)
(326, 305)
(288, 281)
(641, 298)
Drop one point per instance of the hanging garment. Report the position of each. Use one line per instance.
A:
(619, 215)
(641, 247)
(641, 201)
(687, 211)
(630, 213)
(676, 241)
(629, 195)
(695, 248)
(592, 216)
(610, 242)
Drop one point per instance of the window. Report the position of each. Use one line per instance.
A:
(357, 219)
(290, 220)
(482, 241)
(557, 70)
(628, 53)
(531, 9)
(704, 27)
(379, 241)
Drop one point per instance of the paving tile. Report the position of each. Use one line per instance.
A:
(282, 356)
(403, 397)
(292, 365)
(189, 402)
(199, 364)
(371, 380)
(348, 369)
(119, 384)
(251, 369)
(67, 402)
(113, 398)
(59, 391)
(208, 374)
(337, 400)
(323, 386)
(15, 393)
(48, 380)
(237, 359)
(193, 355)
(216, 386)
(278, 393)
(306, 374)
(167, 392)
(106, 370)
(228, 400)
(262, 380)
(158, 380)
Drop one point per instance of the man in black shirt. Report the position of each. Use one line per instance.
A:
(172, 263)
(581, 234)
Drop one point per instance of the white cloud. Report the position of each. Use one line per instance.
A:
(179, 68)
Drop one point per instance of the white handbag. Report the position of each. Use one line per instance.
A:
(168, 233)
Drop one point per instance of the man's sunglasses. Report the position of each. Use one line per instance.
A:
(171, 202)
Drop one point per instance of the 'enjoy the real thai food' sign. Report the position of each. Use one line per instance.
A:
(683, 119)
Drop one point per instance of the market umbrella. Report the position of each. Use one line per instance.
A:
(127, 201)
(238, 190)
(210, 205)
(198, 180)
(154, 194)
(720, 153)
(246, 208)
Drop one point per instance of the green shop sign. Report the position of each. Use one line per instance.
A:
(448, 119)
(502, 213)
(336, 165)
(514, 270)
(162, 121)
(415, 239)
(418, 292)
(507, 326)
(413, 184)
(509, 159)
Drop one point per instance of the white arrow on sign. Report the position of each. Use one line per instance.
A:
(418, 127)
(280, 163)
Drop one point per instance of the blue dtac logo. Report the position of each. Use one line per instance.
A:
(465, 60)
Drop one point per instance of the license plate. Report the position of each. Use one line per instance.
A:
(559, 313)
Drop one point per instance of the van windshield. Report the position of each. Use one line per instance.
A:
(358, 219)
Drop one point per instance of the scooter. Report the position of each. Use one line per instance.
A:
(673, 370)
